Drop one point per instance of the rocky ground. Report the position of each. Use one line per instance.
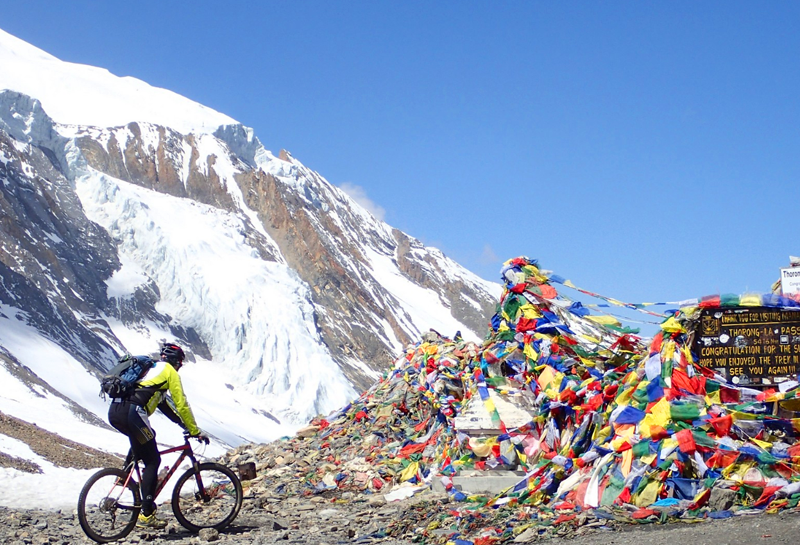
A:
(311, 522)
(272, 514)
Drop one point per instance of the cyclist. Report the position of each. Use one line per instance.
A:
(130, 416)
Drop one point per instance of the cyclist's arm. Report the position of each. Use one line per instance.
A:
(167, 406)
(182, 407)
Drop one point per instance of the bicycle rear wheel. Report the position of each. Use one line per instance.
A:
(210, 498)
(107, 510)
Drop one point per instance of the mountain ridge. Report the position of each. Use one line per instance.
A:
(289, 296)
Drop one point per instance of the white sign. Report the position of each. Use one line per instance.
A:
(790, 281)
(514, 411)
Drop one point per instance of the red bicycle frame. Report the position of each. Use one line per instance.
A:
(186, 452)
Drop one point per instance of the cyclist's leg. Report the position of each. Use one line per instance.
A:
(118, 418)
(143, 444)
(129, 458)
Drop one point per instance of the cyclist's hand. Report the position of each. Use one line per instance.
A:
(202, 437)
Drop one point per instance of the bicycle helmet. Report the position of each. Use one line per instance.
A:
(173, 354)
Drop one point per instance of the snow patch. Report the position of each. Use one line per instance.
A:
(123, 283)
(79, 94)
(256, 316)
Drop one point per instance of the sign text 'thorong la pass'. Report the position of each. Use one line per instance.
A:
(755, 342)
(790, 281)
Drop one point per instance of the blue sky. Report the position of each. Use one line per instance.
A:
(649, 151)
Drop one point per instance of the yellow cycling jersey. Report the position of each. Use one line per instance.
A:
(153, 388)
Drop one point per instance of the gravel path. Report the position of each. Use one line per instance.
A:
(310, 523)
(318, 520)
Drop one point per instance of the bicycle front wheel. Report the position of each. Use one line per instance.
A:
(208, 498)
(107, 510)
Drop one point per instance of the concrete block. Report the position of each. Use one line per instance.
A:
(489, 483)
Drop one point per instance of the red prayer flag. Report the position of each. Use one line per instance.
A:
(765, 394)
(729, 395)
(686, 441)
(411, 448)
(694, 385)
(644, 513)
(594, 402)
(548, 292)
(563, 518)
(657, 433)
(624, 497)
(766, 495)
(722, 425)
(701, 500)
(526, 324)
(710, 301)
(794, 450)
(655, 346)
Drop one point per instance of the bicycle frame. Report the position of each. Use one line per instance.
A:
(186, 452)
(195, 503)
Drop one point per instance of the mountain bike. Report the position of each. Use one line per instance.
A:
(207, 495)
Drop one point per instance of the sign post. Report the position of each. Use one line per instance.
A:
(790, 281)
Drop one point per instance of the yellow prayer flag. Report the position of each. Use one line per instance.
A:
(671, 325)
(737, 415)
(763, 444)
(791, 404)
(600, 435)
(552, 380)
(617, 442)
(668, 351)
(627, 460)
(750, 300)
(409, 472)
(645, 428)
(625, 397)
(604, 319)
(649, 495)
(648, 460)
(658, 416)
(481, 449)
(529, 311)
(737, 471)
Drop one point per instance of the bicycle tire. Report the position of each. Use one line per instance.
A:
(222, 504)
(101, 502)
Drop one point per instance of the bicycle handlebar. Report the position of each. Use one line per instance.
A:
(200, 437)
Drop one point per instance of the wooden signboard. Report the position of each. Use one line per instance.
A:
(754, 342)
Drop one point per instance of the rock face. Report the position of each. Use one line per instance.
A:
(363, 280)
(52, 259)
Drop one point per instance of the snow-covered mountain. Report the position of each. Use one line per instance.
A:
(130, 214)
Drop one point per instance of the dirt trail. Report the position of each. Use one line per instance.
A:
(50, 446)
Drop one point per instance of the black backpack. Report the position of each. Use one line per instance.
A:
(121, 381)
